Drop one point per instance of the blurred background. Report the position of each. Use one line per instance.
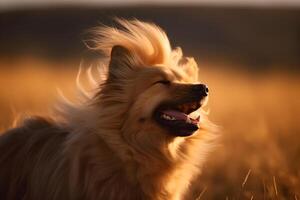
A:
(248, 53)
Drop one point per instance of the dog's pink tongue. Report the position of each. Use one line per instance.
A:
(176, 114)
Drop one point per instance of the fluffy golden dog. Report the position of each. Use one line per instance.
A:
(141, 135)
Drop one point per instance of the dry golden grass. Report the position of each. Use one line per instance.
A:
(259, 152)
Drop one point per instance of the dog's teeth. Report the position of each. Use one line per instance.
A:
(165, 116)
(168, 117)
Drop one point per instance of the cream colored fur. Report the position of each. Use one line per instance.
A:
(114, 149)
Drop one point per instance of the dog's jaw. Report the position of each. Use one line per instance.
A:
(181, 119)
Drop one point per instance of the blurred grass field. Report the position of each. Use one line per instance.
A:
(259, 152)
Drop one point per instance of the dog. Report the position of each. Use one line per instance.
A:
(142, 135)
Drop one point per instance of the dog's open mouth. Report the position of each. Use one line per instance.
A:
(176, 118)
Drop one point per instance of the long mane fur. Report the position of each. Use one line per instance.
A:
(183, 157)
(99, 158)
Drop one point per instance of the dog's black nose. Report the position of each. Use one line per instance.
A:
(201, 89)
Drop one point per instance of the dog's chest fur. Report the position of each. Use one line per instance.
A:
(82, 169)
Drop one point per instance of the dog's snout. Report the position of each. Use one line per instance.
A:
(200, 89)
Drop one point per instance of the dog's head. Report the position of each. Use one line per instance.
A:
(152, 93)
(165, 97)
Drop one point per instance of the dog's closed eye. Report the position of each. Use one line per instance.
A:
(164, 82)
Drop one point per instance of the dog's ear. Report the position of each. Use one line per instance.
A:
(120, 61)
(118, 55)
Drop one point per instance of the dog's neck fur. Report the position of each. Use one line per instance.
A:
(95, 146)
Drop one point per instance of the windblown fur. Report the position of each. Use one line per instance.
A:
(108, 146)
